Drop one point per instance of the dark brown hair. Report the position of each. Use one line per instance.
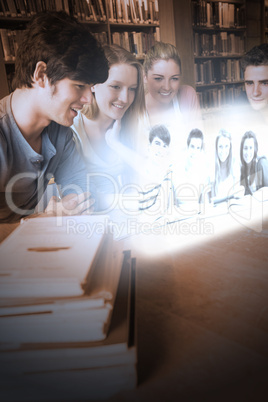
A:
(65, 45)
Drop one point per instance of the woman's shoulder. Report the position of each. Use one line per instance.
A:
(187, 98)
(77, 123)
(80, 130)
(262, 161)
(186, 92)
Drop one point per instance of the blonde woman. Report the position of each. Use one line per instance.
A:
(169, 102)
(117, 105)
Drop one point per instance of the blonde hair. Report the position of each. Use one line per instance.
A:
(117, 55)
(161, 51)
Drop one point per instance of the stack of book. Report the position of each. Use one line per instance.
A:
(66, 311)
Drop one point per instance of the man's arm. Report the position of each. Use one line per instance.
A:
(71, 174)
(73, 182)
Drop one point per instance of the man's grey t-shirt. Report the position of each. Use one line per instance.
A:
(24, 173)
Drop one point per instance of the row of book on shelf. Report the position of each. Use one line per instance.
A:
(134, 11)
(218, 44)
(138, 43)
(119, 11)
(218, 97)
(215, 71)
(218, 14)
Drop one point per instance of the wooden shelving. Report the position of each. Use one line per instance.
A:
(219, 41)
(265, 21)
(136, 36)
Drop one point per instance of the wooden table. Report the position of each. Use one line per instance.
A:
(202, 315)
(203, 319)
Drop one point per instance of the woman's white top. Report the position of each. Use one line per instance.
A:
(106, 176)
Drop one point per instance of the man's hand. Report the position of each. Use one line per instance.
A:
(71, 204)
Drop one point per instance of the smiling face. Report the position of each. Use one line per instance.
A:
(115, 95)
(223, 148)
(248, 150)
(163, 80)
(256, 85)
(158, 148)
(194, 148)
(64, 99)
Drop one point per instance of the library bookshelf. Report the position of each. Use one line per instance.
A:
(265, 22)
(219, 42)
(133, 24)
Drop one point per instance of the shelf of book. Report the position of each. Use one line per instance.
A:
(133, 24)
(217, 57)
(217, 29)
(265, 21)
(218, 95)
(215, 13)
(214, 84)
(219, 41)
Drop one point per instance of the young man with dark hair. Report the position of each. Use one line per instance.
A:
(57, 62)
(159, 140)
(195, 143)
(255, 67)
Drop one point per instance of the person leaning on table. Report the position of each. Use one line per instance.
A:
(57, 62)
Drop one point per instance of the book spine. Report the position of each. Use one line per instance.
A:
(102, 10)
(151, 12)
(87, 11)
(146, 13)
(111, 12)
(1, 9)
(133, 12)
(12, 8)
(17, 7)
(157, 34)
(7, 12)
(66, 6)
(5, 45)
(124, 11)
(93, 12)
(156, 12)
(118, 11)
